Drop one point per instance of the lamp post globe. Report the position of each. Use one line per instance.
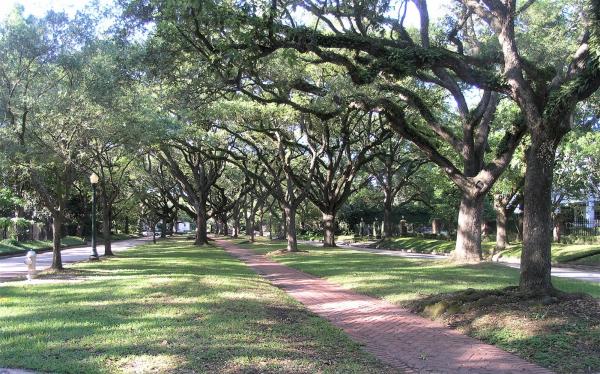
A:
(94, 179)
(94, 182)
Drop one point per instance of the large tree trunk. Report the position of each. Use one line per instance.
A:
(56, 235)
(387, 216)
(290, 223)
(252, 221)
(520, 227)
(175, 219)
(537, 218)
(225, 227)
(556, 232)
(236, 226)
(501, 219)
(249, 227)
(140, 226)
(271, 225)
(153, 232)
(261, 231)
(19, 211)
(468, 236)
(328, 229)
(106, 218)
(201, 235)
(79, 230)
(284, 221)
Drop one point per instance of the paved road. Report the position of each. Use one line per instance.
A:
(590, 275)
(565, 272)
(14, 267)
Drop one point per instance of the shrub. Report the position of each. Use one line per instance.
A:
(21, 223)
(4, 223)
(10, 242)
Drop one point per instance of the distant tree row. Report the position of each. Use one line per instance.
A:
(236, 113)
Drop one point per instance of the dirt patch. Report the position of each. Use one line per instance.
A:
(162, 363)
(561, 332)
(284, 314)
(470, 299)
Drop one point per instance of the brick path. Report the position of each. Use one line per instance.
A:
(392, 334)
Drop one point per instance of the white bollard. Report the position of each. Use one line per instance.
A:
(30, 261)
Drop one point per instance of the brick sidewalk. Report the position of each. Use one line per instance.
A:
(392, 334)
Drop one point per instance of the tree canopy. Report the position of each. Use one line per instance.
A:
(224, 111)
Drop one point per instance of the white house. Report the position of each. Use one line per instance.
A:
(184, 227)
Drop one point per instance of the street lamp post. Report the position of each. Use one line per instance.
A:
(94, 182)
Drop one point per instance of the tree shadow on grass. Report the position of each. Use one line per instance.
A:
(398, 278)
(209, 335)
(171, 309)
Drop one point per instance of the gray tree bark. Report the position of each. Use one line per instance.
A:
(329, 229)
(201, 235)
(56, 236)
(537, 218)
(468, 236)
(290, 223)
(106, 218)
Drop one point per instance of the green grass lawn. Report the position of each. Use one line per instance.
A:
(168, 308)
(590, 260)
(416, 244)
(564, 253)
(561, 253)
(419, 244)
(567, 345)
(122, 236)
(400, 279)
(115, 236)
(312, 236)
(13, 246)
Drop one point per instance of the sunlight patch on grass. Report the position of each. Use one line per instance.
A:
(14, 247)
(406, 279)
(591, 260)
(416, 244)
(169, 307)
(564, 253)
(403, 281)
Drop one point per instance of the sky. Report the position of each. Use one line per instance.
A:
(39, 7)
